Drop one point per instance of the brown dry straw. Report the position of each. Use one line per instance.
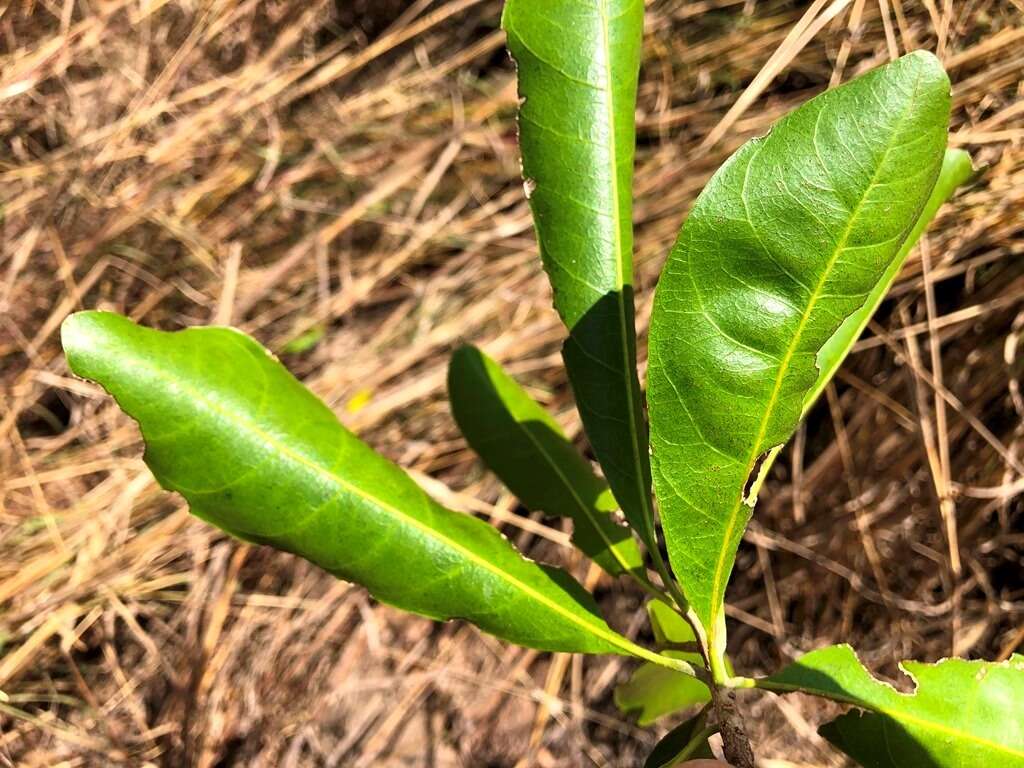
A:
(342, 181)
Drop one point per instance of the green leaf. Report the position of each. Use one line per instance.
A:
(961, 713)
(654, 691)
(956, 170)
(668, 626)
(687, 741)
(258, 455)
(578, 67)
(527, 449)
(787, 240)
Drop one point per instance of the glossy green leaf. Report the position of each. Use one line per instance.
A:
(787, 240)
(257, 454)
(956, 170)
(961, 713)
(687, 741)
(578, 66)
(528, 451)
(653, 691)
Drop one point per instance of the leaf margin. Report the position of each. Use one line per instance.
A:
(82, 350)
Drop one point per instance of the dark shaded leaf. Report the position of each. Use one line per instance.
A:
(687, 741)
(528, 451)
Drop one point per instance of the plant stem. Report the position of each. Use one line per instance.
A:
(666, 661)
(646, 585)
(735, 742)
(683, 609)
(743, 682)
(670, 584)
(703, 732)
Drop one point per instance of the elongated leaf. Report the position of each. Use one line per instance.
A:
(578, 68)
(956, 170)
(788, 239)
(961, 714)
(257, 454)
(654, 691)
(527, 449)
(687, 741)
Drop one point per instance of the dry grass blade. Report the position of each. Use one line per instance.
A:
(341, 180)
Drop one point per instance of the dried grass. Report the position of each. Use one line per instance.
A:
(341, 181)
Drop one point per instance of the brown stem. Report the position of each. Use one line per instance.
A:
(735, 743)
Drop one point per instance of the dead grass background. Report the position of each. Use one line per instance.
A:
(341, 181)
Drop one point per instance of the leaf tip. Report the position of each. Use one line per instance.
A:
(82, 333)
(465, 358)
(927, 66)
(925, 57)
(74, 328)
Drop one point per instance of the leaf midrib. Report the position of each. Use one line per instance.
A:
(717, 587)
(281, 448)
(620, 279)
(895, 714)
(587, 511)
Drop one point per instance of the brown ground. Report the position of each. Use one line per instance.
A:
(341, 180)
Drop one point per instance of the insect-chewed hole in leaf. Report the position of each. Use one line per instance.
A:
(754, 479)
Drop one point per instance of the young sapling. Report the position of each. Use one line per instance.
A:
(779, 265)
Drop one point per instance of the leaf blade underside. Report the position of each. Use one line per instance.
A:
(961, 713)
(578, 66)
(786, 240)
(257, 454)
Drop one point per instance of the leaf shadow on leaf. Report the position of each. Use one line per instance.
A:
(603, 339)
(872, 739)
(876, 741)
